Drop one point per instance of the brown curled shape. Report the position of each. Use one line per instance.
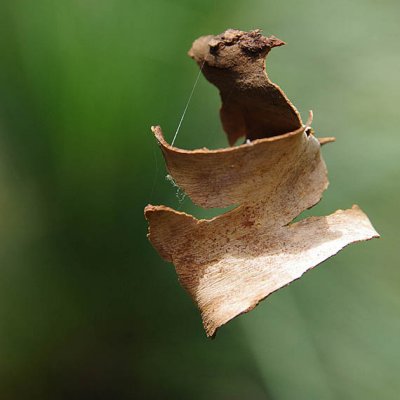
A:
(229, 263)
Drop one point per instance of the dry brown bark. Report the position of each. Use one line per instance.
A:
(228, 264)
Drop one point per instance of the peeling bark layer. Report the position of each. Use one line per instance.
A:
(230, 263)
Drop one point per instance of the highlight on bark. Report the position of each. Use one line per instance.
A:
(229, 263)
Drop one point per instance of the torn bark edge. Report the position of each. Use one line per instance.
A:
(211, 333)
(158, 134)
(211, 330)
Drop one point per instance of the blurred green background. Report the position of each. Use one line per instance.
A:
(87, 308)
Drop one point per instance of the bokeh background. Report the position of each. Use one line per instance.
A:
(87, 308)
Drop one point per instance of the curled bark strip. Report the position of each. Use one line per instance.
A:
(252, 105)
(229, 263)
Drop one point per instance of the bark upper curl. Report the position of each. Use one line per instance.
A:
(222, 50)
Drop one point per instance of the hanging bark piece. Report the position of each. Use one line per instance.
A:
(230, 263)
(252, 105)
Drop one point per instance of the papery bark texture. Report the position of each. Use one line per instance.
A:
(230, 263)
